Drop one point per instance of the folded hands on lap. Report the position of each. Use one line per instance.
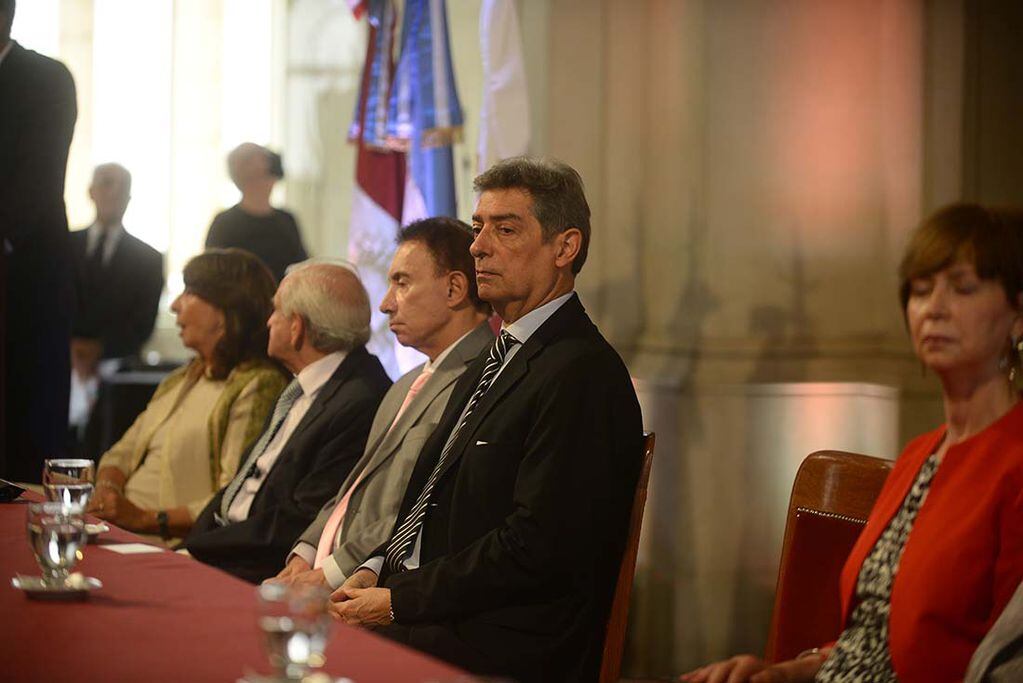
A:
(750, 669)
(359, 602)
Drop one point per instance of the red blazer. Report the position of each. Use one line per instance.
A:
(964, 556)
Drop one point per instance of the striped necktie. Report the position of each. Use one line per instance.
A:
(401, 543)
(287, 399)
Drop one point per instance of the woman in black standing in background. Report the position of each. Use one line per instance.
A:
(253, 223)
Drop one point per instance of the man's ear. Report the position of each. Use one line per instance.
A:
(569, 243)
(297, 328)
(458, 288)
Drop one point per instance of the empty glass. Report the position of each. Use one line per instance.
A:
(55, 531)
(69, 480)
(295, 626)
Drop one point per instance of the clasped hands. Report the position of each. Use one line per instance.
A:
(357, 602)
(750, 669)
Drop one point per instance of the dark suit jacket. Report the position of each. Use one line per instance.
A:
(120, 310)
(37, 118)
(316, 459)
(527, 524)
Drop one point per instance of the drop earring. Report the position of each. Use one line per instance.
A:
(1017, 345)
(1017, 348)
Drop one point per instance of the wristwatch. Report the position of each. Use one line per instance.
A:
(161, 520)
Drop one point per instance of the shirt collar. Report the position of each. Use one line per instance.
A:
(432, 365)
(313, 376)
(6, 51)
(523, 328)
(114, 233)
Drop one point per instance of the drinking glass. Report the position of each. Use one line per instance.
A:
(69, 480)
(295, 626)
(55, 531)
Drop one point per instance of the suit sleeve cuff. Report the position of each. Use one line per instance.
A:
(332, 572)
(374, 564)
(304, 550)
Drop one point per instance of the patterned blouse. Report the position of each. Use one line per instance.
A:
(861, 653)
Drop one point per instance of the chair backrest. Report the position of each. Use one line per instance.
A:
(618, 620)
(831, 499)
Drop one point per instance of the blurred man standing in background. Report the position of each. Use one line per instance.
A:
(118, 281)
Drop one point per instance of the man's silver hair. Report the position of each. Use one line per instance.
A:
(123, 173)
(331, 299)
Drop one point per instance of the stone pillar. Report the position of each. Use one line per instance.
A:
(753, 168)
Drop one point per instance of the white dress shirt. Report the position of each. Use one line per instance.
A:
(312, 378)
(114, 234)
(522, 329)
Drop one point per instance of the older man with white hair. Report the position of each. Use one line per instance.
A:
(316, 433)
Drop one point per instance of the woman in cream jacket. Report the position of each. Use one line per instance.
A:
(188, 442)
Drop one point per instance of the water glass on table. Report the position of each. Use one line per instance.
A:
(295, 625)
(69, 480)
(56, 531)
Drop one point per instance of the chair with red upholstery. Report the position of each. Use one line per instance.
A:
(831, 499)
(618, 620)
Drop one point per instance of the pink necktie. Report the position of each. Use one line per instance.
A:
(326, 544)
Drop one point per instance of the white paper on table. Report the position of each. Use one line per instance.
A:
(132, 548)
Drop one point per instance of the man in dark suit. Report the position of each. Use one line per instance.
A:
(316, 434)
(38, 118)
(510, 535)
(118, 279)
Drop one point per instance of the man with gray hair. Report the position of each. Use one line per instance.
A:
(316, 433)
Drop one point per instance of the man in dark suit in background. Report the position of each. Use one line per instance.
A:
(316, 434)
(509, 538)
(118, 279)
(38, 111)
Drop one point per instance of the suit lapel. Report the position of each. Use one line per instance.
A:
(327, 392)
(569, 314)
(393, 438)
(120, 256)
(386, 412)
(450, 369)
(392, 432)
(331, 387)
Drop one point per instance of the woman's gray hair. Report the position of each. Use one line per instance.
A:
(331, 299)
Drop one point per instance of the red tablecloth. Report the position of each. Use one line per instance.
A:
(161, 617)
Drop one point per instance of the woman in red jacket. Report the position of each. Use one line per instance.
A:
(942, 552)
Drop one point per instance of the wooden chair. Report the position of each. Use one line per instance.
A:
(618, 620)
(831, 499)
